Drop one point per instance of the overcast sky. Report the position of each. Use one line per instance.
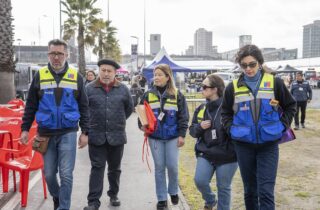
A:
(272, 23)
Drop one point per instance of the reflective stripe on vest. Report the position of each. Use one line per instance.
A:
(170, 104)
(265, 91)
(47, 80)
(253, 128)
(200, 116)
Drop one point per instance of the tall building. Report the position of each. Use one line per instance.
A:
(311, 40)
(203, 42)
(244, 40)
(155, 43)
(190, 50)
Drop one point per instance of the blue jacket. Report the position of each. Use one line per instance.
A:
(175, 121)
(257, 122)
(301, 91)
(35, 95)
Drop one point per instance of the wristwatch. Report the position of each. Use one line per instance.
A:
(85, 133)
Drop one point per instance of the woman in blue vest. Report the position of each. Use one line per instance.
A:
(170, 108)
(250, 114)
(214, 150)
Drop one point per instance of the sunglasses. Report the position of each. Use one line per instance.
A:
(250, 65)
(205, 87)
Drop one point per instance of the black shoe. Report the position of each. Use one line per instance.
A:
(55, 203)
(114, 201)
(302, 125)
(90, 208)
(174, 199)
(161, 205)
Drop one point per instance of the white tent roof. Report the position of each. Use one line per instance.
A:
(297, 63)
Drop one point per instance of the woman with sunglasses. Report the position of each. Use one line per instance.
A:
(214, 151)
(250, 114)
(171, 111)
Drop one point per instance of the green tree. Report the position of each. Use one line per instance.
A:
(7, 64)
(82, 18)
(107, 46)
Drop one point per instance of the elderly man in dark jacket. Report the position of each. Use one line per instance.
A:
(110, 104)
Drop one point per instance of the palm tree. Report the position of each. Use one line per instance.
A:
(107, 46)
(81, 20)
(7, 65)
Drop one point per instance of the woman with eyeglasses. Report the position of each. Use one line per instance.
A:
(171, 111)
(251, 115)
(214, 150)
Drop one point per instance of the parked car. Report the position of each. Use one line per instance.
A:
(227, 77)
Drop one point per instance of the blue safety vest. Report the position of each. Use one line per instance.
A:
(168, 128)
(255, 120)
(50, 114)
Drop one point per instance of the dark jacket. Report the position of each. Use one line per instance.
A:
(108, 113)
(136, 94)
(182, 114)
(35, 94)
(282, 94)
(301, 91)
(219, 151)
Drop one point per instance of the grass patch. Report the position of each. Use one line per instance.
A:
(302, 194)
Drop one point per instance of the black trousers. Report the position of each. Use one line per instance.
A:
(99, 155)
(302, 105)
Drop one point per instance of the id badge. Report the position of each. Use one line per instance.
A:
(300, 89)
(214, 134)
(161, 115)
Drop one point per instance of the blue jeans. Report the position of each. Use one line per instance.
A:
(60, 157)
(224, 175)
(258, 166)
(165, 154)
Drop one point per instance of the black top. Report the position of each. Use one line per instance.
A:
(218, 151)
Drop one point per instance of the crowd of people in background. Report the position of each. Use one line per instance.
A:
(239, 125)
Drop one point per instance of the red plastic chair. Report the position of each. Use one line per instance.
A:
(13, 127)
(18, 103)
(23, 164)
(6, 141)
(8, 113)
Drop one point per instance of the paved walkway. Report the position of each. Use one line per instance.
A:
(137, 188)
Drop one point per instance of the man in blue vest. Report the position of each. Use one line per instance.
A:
(58, 102)
(302, 92)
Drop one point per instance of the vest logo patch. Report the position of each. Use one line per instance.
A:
(244, 108)
(71, 76)
(267, 84)
(48, 92)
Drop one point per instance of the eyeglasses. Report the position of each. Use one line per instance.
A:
(54, 54)
(250, 65)
(205, 87)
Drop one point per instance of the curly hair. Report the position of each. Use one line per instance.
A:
(250, 50)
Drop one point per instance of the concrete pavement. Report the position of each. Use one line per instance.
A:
(137, 187)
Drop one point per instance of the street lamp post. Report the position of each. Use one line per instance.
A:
(137, 38)
(19, 40)
(60, 19)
